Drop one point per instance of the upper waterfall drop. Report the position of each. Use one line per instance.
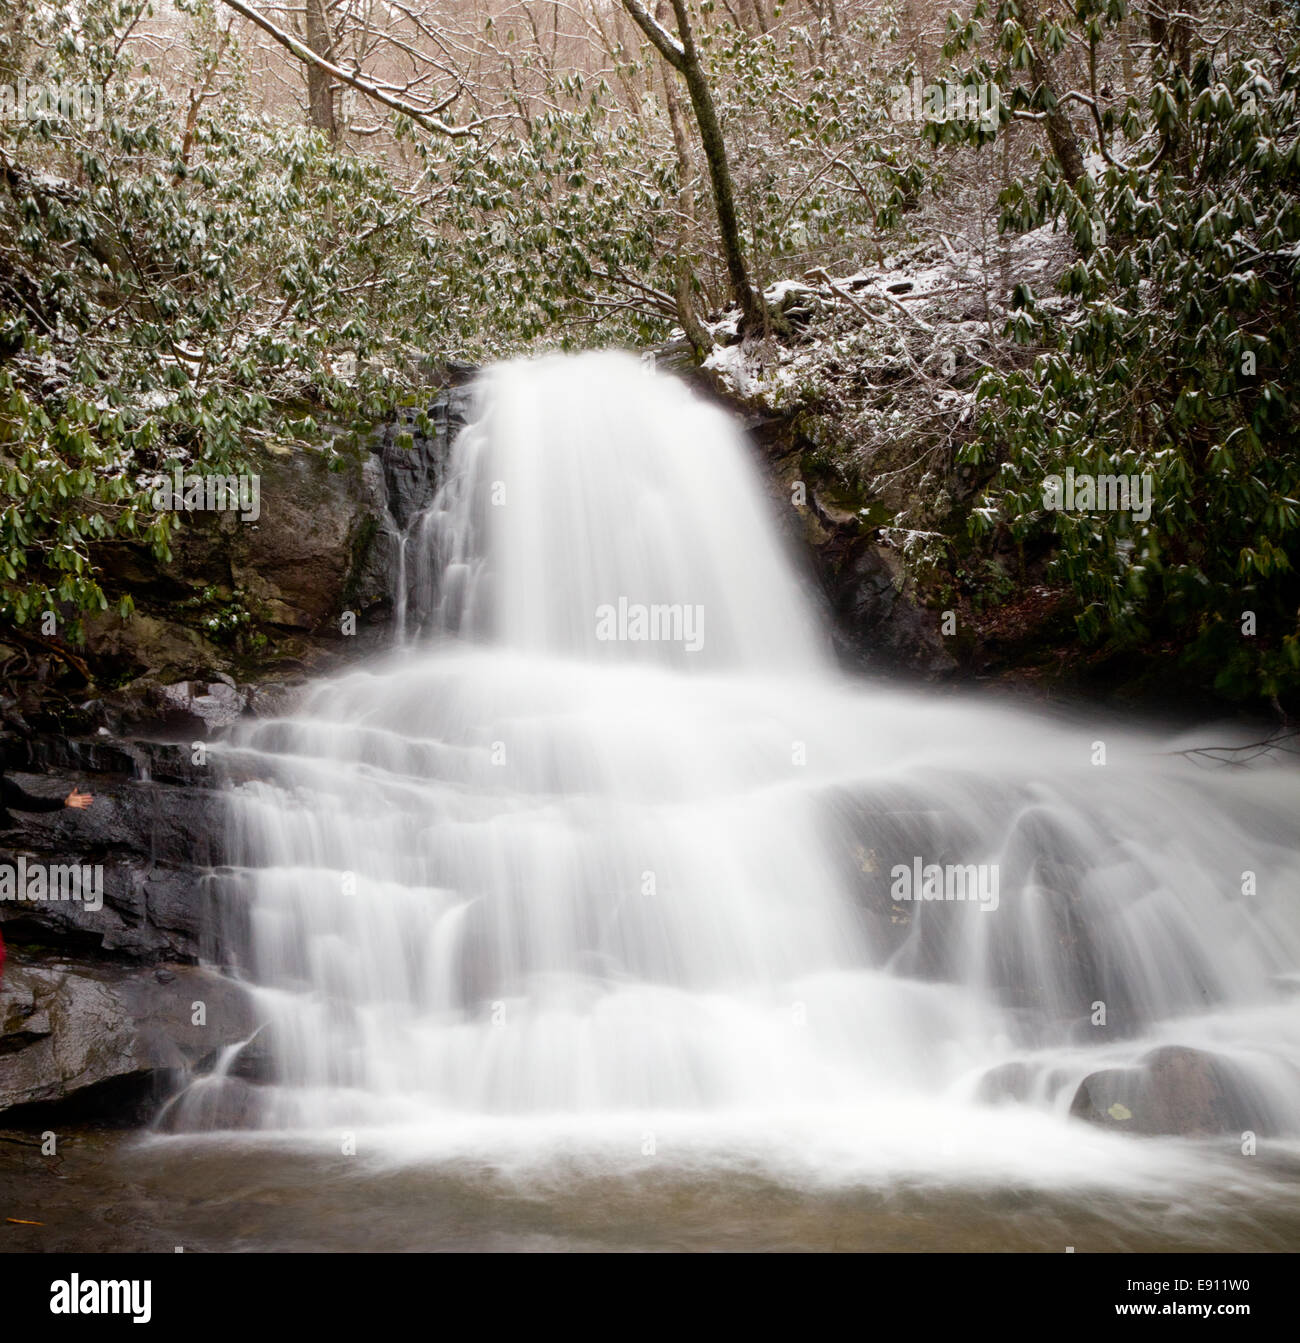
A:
(594, 509)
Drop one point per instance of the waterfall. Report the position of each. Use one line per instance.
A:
(609, 846)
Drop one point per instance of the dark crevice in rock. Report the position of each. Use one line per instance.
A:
(120, 1102)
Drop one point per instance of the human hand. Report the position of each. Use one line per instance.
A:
(78, 800)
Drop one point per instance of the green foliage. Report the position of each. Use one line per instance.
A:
(820, 168)
(575, 220)
(569, 223)
(226, 618)
(168, 299)
(1176, 358)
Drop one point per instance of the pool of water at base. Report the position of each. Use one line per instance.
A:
(114, 1191)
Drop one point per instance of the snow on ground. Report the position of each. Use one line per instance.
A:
(935, 308)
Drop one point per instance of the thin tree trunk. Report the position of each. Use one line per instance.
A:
(1060, 133)
(685, 299)
(320, 88)
(199, 93)
(1004, 243)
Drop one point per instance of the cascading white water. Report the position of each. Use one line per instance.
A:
(523, 880)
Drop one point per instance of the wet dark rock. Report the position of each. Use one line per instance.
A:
(69, 1025)
(1009, 1083)
(213, 705)
(1173, 1090)
(255, 1061)
(238, 590)
(413, 463)
(294, 561)
(155, 833)
(214, 1103)
(870, 594)
(274, 699)
(1018, 1083)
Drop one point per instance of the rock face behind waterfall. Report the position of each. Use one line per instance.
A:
(105, 1012)
(108, 1008)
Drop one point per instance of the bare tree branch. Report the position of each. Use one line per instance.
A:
(664, 42)
(421, 117)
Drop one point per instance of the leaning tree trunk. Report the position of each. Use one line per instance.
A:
(682, 55)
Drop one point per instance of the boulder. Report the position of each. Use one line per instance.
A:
(1173, 1090)
(292, 560)
(67, 1026)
